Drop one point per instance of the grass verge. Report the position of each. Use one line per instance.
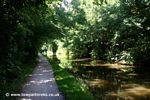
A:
(15, 86)
(69, 85)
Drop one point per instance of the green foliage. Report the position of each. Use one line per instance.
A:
(116, 30)
(72, 88)
(24, 25)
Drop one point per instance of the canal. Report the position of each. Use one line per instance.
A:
(112, 81)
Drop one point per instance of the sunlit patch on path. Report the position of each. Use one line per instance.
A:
(41, 84)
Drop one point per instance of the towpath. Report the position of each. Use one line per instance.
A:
(41, 84)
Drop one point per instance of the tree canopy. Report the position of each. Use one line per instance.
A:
(111, 30)
(116, 30)
(24, 26)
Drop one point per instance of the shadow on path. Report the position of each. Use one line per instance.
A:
(41, 84)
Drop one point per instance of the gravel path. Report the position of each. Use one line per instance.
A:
(41, 84)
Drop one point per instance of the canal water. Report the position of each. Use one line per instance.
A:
(112, 81)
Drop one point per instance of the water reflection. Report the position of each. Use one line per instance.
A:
(112, 81)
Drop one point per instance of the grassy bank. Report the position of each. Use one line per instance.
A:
(15, 86)
(69, 85)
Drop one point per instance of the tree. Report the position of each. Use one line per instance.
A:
(24, 25)
(107, 30)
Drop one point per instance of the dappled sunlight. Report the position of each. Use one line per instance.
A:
(112, 81)
(39, 66)
(132, 74)
(108, 65)
(38, 82)
(59, 78)
(132, 92)
(137, 91)
(73, 87)
(88, 62)
(83, 59)
(39, 69)
(27, 84)
(35, 74)
(41, 85)
(45, 71)
(62, 78)
(97, 82)
(30, 75)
